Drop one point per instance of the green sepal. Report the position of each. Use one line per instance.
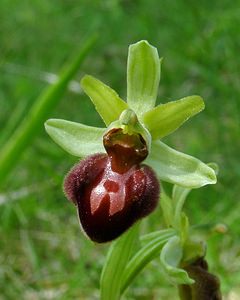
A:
(179, 168)
(107, 102)
(116, 261)
(143, 76)
(193, 250)
(166, 118)
(170, 259)
(75, 138)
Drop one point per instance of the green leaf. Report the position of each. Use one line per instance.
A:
(143, 76)
(107, 102)
(149, 237)
(117, 258)
(75, 138)
(166, 118)
(146, 254)
(179, 168)
(170, 259)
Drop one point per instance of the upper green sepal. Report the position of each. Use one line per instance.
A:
(75, 138)
(143, 76)
(166, 118)
(107, 102)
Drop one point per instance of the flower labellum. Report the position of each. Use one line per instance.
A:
(113, 190)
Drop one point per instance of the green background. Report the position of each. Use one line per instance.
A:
(43, 254)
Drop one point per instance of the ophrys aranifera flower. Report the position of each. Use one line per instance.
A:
(110, 186)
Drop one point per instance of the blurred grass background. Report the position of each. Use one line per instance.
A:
(43, 254)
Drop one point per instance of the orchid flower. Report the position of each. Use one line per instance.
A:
(132, 123)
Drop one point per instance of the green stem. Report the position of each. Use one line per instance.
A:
(179, 208)
(40, 110)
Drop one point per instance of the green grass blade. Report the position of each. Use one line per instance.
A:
(16, 116)
(38, 113)
(118, 257)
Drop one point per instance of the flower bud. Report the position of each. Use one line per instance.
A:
(206, 286)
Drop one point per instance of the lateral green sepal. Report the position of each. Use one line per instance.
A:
(179, 168)
(75, 138)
